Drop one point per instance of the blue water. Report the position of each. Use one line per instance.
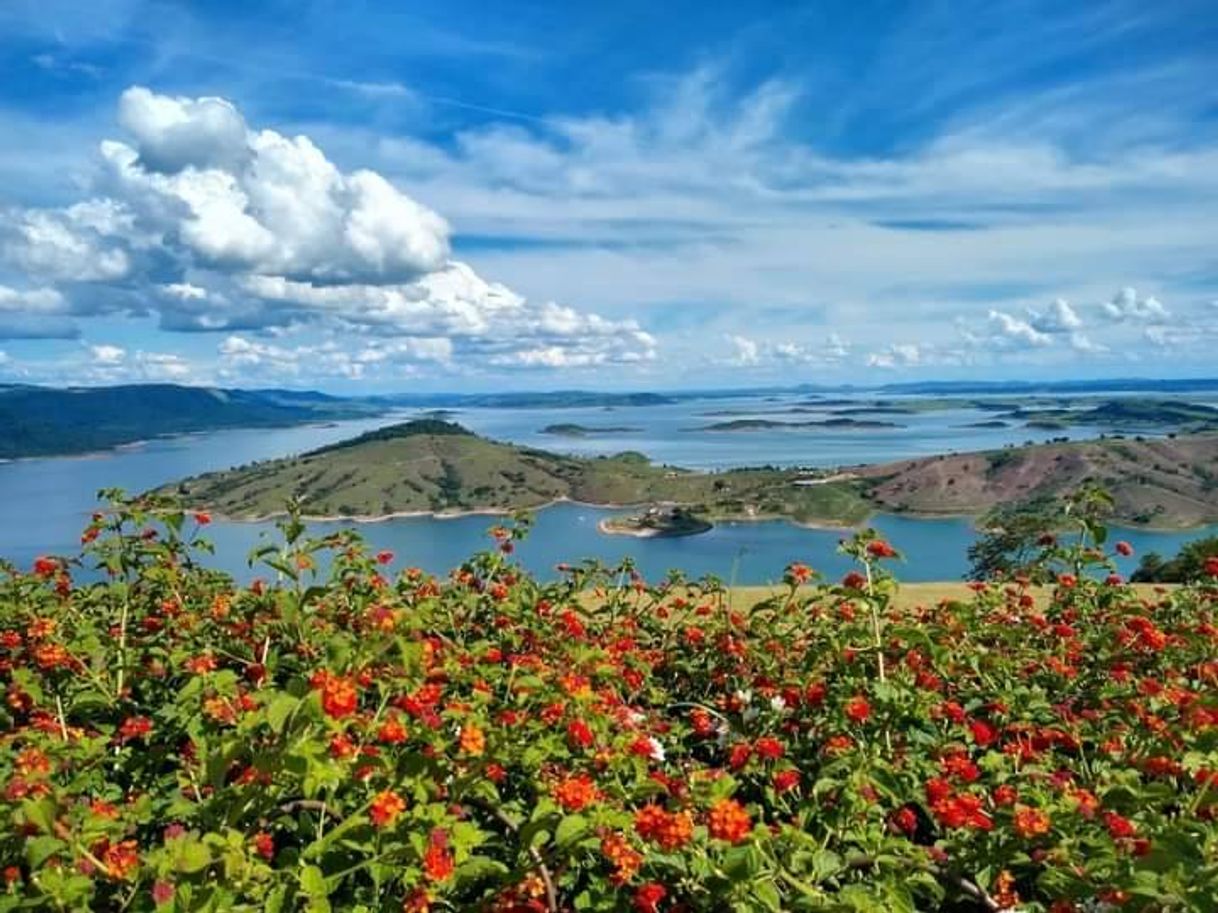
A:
(44, 503)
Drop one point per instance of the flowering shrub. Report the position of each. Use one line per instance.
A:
(383, 740)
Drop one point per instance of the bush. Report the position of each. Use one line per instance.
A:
(378, 739)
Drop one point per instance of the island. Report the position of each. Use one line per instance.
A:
(439, 468)
(569, 429)
(657, 522)
(1132, 413)
(765, 424)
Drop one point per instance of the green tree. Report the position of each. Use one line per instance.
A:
(1188, 565)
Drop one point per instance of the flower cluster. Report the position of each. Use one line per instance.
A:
(370, 737)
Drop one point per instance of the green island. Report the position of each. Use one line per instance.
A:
(765, 424)
(657, 522)
(433, 467)
(570, 429)
(1132, 413)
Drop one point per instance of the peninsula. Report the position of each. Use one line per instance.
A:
(439, 468)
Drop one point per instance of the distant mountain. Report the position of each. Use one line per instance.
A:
(46, 421)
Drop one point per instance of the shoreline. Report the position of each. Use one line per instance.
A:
(826, 525)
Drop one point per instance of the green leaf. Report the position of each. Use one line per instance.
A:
(570, 829)
(279, 710)
(313, 882)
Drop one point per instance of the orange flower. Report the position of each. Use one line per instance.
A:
(626, 860)
(1031, 822)
(473, 741)
(575, 793)
(339, 696)
(120, 859)
(385, 808)
(729, 821)
(392, 732)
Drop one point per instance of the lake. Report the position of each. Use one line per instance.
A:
(45, 502)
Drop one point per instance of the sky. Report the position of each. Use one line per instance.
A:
(365, 196)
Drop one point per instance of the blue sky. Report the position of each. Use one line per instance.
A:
(382, 196)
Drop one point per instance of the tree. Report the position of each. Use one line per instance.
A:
(1188, 565)
(1012, 540)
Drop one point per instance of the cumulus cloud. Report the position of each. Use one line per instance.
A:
(897, 355)
(745, 351)
(215, 225)
(1127, 306)
(1011, 331)
(748, 352)
(1059, 317)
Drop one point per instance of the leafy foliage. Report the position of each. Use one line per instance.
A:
(1194, 561)
(379, 739)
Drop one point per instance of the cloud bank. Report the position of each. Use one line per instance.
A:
(210, 225)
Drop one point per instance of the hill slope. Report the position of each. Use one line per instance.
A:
(435, 466)
(1162, 481)
(45, 421)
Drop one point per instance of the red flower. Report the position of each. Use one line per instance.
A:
(854, 581)
(905, 820)
(648, 897)
(786, 780)
(264, 845)
(384, 557)
(46, 567)
(134, 727)
(880, 549)
(162, 892)
(438, 862)
(768, 748)
(385, 808)
(858, 710)
(202, 518)
(1005, 795)
(983, 733)
(1119, 828)
(1124, 548)
(579, 734)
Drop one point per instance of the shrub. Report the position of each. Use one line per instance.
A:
(373, 738)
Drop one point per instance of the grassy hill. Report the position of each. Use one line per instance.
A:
(1162, 482)
(45, 421)
(433, 466)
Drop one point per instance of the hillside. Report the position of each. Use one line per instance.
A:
(46, 421)
(1171, 482)
(433, 466)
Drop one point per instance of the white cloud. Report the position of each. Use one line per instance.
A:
(32, 301)
(896, 355)
(745, 351)
(106, 355)
(80, 243)
(1058, 317)
(1011, 331)
(1127, 306)
(216, 225)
